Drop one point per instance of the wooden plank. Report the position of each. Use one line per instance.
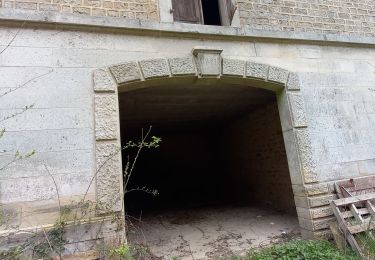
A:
(370, 208)
(344, 228)
(362, 184)
(348, 214)
(355, 213)
(189, 11)
(338, 236)
(365, 226)
(356, 199)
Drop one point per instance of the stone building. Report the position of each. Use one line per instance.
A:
(280, 92)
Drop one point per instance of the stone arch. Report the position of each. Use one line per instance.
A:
(204, 64)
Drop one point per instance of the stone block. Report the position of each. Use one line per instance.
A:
(301, 201)
(154, 68)
(325, 234)
(321, 200)
(182, 66)
(126, 72)
(310, 189)
(293, 82)
(208, 61)
(106, 117)
(305, 154)
(109, 191)
(232, 67)
(103, 81)
(284, 111)
(314, 213)
(277, 75)
(297, 108)
(321, 212)
(256, 70)
(315, 201)
(303, 213)
(292, 157)
(319, 224)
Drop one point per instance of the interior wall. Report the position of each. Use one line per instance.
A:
(240, 162)
(184, 170)
(255, 152)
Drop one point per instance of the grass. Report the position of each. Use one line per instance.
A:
(292, 250)
(300, 250)
(366, 242)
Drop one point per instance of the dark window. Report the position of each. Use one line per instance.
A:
(211, 12)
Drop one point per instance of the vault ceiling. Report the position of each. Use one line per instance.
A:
(179, 105)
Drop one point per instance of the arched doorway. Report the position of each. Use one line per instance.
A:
(227, 85)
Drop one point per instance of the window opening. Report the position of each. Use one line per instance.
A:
(211, 12)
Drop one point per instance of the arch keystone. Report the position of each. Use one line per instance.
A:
(208, 61)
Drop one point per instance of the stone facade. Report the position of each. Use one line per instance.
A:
(71, 67)
(133, 9)
(338, 16)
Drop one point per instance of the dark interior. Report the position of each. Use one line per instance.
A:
(219, 146)
(211, 12)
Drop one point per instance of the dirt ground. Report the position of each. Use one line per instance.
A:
(207, 233)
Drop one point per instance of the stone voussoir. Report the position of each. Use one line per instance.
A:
(277, 75)
(256, 70)
(103, 81)
(126, 72)
(293, 82)
(182, 66)
(233, 67)
(154, 68)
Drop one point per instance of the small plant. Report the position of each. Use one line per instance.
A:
(48, 242)
(366, 242)
(122, 252)
(300, 249)
(132, 252)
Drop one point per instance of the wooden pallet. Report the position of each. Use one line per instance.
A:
(355, 215)
(355, 187)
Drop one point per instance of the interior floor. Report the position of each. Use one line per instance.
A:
(221, 170)
(210, 232)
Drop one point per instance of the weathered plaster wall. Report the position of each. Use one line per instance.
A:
(134, 9)
(338, 16)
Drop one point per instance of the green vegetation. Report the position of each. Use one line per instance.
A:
(132, 252)
(366, 242)
(300, 250)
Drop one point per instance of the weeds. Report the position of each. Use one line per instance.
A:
(300, 249)
(132, 252)
(366, 242)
